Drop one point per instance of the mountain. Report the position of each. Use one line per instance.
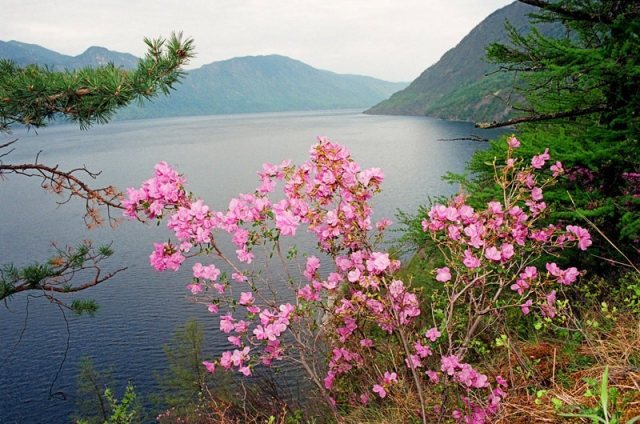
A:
(25, 54)
(265, 84)
(240, 85)
(460, 85)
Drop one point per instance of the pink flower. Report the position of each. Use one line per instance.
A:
(287, 222)
(210, 366)
(413, 362)
(584, 238)
(530, 273)
(245, 256)
(520, 286)
(374, 174)
(507, 251)
(513, 142)
(195, 288)
(226, 323)
(536, 193)
(378, 263)
(422, 351)
(443, 274)
(213, 308)
(432, 334)
(235, 340)
(495, 208)
(557, 169)
(553, 269)
(390, 377)
(240, 237)
(366, 343)
(239, 277)
(333, 281)
(454, 232)
(433, 376)
(396, 288)
(539, 160)
(384, 223)
(328, 380)
(380, 391)
(225, 360)
(493, 254)
(207, 272)
(246, 298)
(525, 307)
(239, 356)
(245, 370)
(313, 263)
(448, 364)
(469, 260)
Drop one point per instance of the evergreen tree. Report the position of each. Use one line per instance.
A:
(33, 96)
(579, 95)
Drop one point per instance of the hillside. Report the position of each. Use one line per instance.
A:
(265, 84)
(460, 84)
(239, 85)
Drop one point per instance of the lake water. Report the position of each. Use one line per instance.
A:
(140, 309)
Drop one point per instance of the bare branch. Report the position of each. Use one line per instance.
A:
(472, 137)
(66, 182)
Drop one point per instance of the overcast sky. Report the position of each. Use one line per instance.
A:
(393, 40)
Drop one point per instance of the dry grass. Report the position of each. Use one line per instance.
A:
(617, 346)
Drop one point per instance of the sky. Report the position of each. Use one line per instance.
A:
(394, 40)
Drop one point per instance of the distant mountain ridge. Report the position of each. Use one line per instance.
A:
(267, 84)
(25, 54)
(240, 85)
(460, 85)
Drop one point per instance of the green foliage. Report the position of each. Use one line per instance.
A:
(186, 379)
(82, 306)
(607, 411)
(125, 411)
(96, 402)
(55, 276)
(35, 95)
(92, 407)
(576, 100)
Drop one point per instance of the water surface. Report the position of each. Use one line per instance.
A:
(140, 309)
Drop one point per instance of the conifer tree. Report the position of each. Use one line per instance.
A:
(580, 96)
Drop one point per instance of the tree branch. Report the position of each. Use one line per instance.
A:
(59, 182)
(543, 117)
(578, 15)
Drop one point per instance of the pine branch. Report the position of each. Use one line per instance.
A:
(34, 95)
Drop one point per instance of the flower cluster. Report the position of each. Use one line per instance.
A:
(328, 195)
(492, 249)
(488, 254)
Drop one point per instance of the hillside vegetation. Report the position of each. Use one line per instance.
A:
(461, 85)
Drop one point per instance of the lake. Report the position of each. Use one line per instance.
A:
(140, 309)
